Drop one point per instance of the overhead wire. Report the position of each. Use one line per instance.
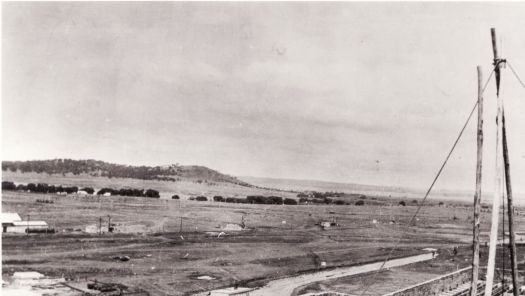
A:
(396, 245)
(516, 74)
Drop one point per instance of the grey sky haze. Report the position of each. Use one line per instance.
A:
(370, 93)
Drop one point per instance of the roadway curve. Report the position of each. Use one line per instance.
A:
(286, 286)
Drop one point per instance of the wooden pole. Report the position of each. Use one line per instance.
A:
(180, 228)
(508, 186)
(498, 182)
(496, 59)
(477, 195)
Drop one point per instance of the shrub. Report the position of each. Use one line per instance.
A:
(275, 200)
(70, 190)
(105, 190)
(289, 201)
(339, 202)
(201, 198)
(230, 199)
(362, 197)
(21, 187)
(402, 203)
(256, 199)
(41, 188)
(218, 198)
(152, 193)
(6, 185)
(360, 203)
(414, 201)
(89, 190)
(175, 196)
(31, 187)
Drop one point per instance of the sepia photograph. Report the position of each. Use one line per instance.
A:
(262, 148)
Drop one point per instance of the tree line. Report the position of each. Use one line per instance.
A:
(46, 188)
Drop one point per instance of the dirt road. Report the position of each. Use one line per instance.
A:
(287, 285)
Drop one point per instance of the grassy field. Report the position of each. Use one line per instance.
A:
(184, 188)
(279, 240)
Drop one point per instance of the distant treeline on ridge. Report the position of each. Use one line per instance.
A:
(98, 168)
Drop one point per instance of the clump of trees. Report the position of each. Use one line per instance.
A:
(39, 188)
(268, 200)
(218, 198)
(45, 201)
(289, 201)
(88, 190)
(130, 192)
(175, 196)
(236, 200)
(152, 193)
(6, 185)
(201, 198)
(360, 203)
(321, 195)
(402, 203)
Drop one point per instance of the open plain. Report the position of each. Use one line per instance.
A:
(171, 243)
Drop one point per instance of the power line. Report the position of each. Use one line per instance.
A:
(396, 245)
(516, 75)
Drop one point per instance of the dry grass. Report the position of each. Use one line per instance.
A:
(165, 264)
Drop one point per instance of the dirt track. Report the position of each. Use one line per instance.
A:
(288, 285)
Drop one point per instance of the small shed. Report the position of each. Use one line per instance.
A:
(325, 224)
(22, 226)
(240, 291)
(8, 219)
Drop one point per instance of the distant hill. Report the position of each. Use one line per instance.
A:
(97, 168)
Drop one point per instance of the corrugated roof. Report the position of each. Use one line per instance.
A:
(10, 217)
(30, 223)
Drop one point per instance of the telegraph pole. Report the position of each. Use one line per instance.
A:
(498, 188)
(477, 195)
(512, 242)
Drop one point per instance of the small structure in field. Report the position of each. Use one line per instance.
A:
(25, 226)
(8, 219)
(240, 291)
(27, 275)
(325, 224)
(328, 224)
(233, 227)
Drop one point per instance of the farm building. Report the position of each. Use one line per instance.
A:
(8, 219)
(21, 226)
(232, 291)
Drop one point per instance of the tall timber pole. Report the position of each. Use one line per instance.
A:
(508, 185)
(498, 173)
(477, 195)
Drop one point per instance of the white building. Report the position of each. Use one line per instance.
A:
(21, 226)
(8, 219)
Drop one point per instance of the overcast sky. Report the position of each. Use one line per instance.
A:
(370, 93)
